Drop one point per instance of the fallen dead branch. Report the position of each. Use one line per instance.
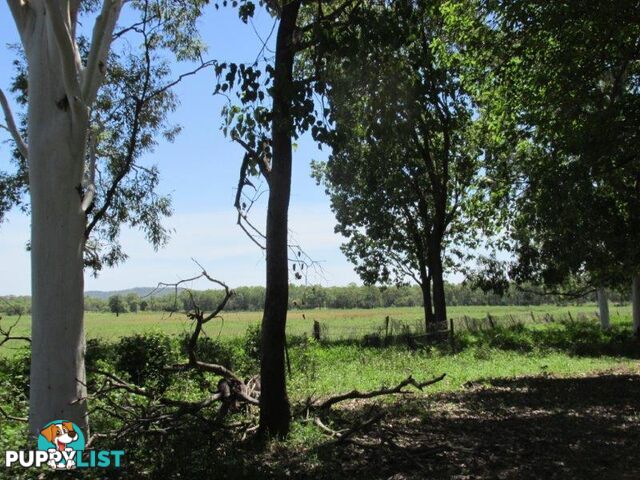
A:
(161, 414)
(355, 394)
(347, 435)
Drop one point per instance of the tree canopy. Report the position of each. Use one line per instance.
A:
(558, 85)
(405, 158)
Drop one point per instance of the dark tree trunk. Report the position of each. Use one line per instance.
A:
(275, 414)
(437, 277)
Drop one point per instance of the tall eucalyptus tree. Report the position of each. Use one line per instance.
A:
(92, 110)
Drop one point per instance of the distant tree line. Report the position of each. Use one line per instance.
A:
(315, 296)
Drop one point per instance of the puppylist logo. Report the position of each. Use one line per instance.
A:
(61, 446)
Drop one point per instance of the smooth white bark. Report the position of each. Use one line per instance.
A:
(100, 44)
(56, 159)
(11, 126)
(635, 293)
(603, 306)
(57, 125)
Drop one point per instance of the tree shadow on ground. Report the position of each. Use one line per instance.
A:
(526, 428)
(523, 428)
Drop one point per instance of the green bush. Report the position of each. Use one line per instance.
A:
(143, 358)
(517, 338)
(211, 351)
(252, 342)
(14, 375)
(98, 351)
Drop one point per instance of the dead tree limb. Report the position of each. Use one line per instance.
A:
(355, 394)
(161, 414)
(243, 203)
(6, 334)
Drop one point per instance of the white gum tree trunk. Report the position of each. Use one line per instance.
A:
(635, 290)
(61, 91)
(56, 159)
(603, 306)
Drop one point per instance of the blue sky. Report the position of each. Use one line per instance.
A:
(200, 171)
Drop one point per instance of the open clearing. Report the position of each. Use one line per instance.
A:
(339, 323)
(554, 398)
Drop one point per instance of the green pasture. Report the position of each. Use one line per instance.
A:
(345, 363)
(336, 323)
(356, 352)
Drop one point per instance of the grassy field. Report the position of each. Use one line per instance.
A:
(336, 323)
(526, 379)
(344, 364)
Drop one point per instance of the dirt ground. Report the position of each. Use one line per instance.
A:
(524, 428)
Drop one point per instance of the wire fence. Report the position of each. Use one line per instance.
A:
(389, 326)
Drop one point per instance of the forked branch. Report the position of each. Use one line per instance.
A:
(100, 44)
(66, 45)
(6, 335)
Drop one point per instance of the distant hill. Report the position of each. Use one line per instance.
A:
(140, 291)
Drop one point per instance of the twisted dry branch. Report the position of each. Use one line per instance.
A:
(156, 419)
(7, 336)
(355, 394)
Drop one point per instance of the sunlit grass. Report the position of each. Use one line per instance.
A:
(339, 323)
(324, 371)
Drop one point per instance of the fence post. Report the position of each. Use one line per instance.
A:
(316, 330)
(386, 326)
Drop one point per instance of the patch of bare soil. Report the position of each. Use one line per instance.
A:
(543, 427)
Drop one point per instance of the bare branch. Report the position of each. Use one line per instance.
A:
(134, 27)
(355, 394)
(181, 77)
(261, 160)
(11, 126)
(6, 334)
(298, 255)
(342, 436)
(100, 45)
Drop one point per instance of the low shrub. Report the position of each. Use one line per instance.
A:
(143, 357)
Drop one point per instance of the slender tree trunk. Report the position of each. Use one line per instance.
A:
(437, 276)
(56, 161)
(425, 286)
(603, 306)
(635, 291)
(275, 415)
